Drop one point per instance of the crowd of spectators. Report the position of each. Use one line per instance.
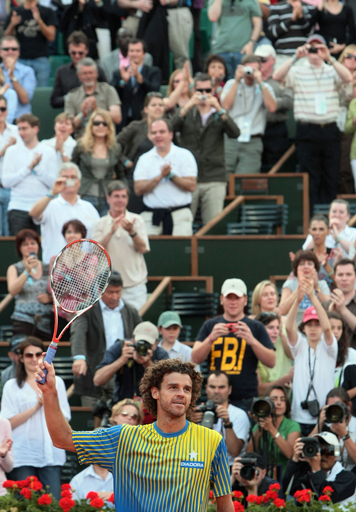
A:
(127, 162)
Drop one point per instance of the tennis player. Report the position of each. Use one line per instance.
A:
(167, 465)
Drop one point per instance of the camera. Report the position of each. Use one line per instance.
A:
(203, 97)
(70, 182)
(311, 447)
(262, 407)
(336, 412)
(142, 347)
(249, 469)
(312, 49)
(312, 406)
(249, 71)
(102, 410)
(209, 416)
(233, 327)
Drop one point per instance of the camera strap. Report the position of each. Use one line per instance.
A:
(311, 375)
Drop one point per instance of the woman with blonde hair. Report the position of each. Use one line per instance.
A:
(99, 157)
(264, 298)
(126, 411)
(178, 92)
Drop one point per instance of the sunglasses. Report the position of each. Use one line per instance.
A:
(76, 53)
(208, 91)
(29, 355)
(265, 314)
(98, 123)
(3, 109)
(155, 94)
(350, 56)
(133, 415)
(10, 48)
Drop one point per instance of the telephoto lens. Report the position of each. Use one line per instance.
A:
(209, 416)
(336, 412)
(262, 407)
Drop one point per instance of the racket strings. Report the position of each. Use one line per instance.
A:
(80, 275)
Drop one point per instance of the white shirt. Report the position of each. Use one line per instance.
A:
(248, 106)
(347, 233)
(113, 323)
(57, 213)
(27, 186)
(324, 358)
(87, 480)
(10, 131)
(178, 349)
(32, 443)
(166, 194)
(240, 426)
(68, 147)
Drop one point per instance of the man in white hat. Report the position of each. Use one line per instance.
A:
(234, 343)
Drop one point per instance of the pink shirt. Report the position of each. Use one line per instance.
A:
(7, 462)
(123, 61)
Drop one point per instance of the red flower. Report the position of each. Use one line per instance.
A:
(274, 487)
(111, 499)
(97, 503)
(261, 499)
(271, 495)
(66, 503)
(303, 495)
(66, 486)
(238, 495)
(328, 489)
(24, 483)
(45, 499)
(252, 498)
(92, 495)
(279, 503)
(324, 497)
(35, 485)
(66, 493)
(304, 499)
(26, 493)
(8, 484)
(238, 507)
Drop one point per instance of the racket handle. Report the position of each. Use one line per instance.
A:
(51, 352)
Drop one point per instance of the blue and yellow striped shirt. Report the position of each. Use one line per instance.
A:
(156, 471)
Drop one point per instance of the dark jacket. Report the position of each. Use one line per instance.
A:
(131, 137)
(205, 142)
(133, 97)
(83, 159)
(65, 80)
(87, 338)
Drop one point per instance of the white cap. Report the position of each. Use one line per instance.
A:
(146, 331)
(236, 286)
(328, 438)
(265, 50)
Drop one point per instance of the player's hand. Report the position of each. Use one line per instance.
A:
(165, 170)
(50, 384)
(35, 161)
(127, 352)
(5, 447)
(223, 413)
(196, 416)
(79, 367)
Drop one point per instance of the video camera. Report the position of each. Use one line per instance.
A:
(249, 469)
(209, 416)
(336, 412)
(262, 407)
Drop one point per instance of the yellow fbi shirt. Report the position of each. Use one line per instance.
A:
(156, 471)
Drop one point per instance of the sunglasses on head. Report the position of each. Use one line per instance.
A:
(204, 90)
(29, 355)
(350, 56)
(98, 123)
(7, 49)
(3, 109)
(154, 94)
(133, 415)
(265, 314)
(76, 53)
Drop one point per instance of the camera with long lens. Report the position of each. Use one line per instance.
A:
(248, 70)
(142, 347)
(102, 410)
(249, 468)
(209, 414)
(262, 407)
(311, 447)
(336, 412)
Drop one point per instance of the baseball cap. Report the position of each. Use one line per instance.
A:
(236, 286)
(260, 462)
(328, 438)
(310, 314)
(265, 50)
(169, 318)
(146, 331)
(16, 341)
(316, 38)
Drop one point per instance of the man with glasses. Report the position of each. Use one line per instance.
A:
(202, 123)
(21, 78)
(66, 78)
(134, 81)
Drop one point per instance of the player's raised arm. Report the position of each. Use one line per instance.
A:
(58, 427)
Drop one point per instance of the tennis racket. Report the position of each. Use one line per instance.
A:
(79, 277)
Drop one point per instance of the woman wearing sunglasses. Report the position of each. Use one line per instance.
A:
(99, 158)
(126, 412)
(33, 450)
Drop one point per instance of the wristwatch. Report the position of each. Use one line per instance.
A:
(221, 112)
(14, 79)
(228, 425)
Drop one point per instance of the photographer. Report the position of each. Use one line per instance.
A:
(314, 465)
(282, 432)
(249, 476)
(124, 361)
(230, 421)
(345, 429)
(247, 98)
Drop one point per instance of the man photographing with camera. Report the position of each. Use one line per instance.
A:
(247, 98)
(315, 465)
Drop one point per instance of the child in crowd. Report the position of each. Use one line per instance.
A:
(314, 350)
(169, 326)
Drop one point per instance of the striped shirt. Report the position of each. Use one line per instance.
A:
(288, 35)
(307, 83)
(154, 471)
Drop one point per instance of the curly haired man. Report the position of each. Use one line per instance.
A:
(166, 465)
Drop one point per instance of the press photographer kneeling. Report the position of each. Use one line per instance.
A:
(314, 465)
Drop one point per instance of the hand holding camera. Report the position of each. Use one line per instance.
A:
(307, 449)
(127, 352)
(245, 468)
(239, 73)
(218, 331)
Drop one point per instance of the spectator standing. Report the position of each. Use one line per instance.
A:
(34, 26)
(124, 236)
(336, 25)
(29, 170)
(96, 331)
(9, 135)
(166, 177)
(247, 98)
(239, 27)
(217, 70)
(201, 125)
(13, 354)
(62, 142)
(66, 78)
(180, 28)
(318, 137)
(59, 206)
(275, 139)
(134, 81)
(169, 326)
(178, 92)
(82, 101)
(234, 343)
(21, 78)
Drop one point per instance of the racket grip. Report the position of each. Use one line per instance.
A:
(51, 352)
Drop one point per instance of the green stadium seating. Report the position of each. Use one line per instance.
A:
(41, 108)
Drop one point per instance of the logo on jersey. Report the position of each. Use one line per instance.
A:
(192, 462)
